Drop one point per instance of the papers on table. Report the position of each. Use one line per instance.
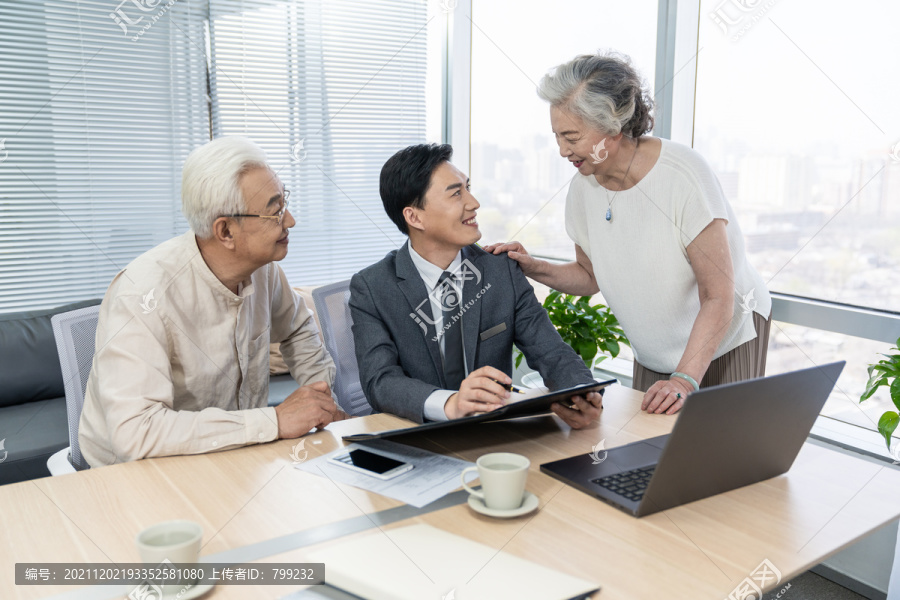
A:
(432, 477)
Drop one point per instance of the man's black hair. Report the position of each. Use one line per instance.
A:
(405, 178)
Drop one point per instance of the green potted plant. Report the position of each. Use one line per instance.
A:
(591, 330)
(886, 372)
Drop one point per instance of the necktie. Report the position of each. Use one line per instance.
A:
(451, 299)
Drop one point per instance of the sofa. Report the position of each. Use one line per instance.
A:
(33, 421)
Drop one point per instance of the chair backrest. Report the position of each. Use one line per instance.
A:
(333, 310)
(75, 332)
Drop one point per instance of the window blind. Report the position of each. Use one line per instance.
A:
(330, 90)
(100, 102)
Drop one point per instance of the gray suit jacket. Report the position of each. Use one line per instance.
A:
(397, 350)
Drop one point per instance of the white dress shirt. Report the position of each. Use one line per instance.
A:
(431, 275)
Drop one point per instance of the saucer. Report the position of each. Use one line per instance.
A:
(194, 592)
(529, 503)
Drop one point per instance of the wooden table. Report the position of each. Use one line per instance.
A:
(826, 502)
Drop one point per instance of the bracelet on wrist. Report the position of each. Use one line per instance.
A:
(687, 378)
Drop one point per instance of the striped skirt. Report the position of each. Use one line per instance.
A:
(744, 362)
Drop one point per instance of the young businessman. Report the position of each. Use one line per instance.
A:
(435, 321)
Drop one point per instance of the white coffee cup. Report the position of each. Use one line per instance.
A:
(175, 541)
(503, 476)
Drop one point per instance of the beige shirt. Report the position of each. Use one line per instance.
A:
(182, 364)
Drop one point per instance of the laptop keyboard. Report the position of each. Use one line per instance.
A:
(631, 484)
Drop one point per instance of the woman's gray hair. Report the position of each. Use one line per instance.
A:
(604, 90)
(211, 181)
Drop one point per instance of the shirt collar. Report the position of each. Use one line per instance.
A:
(245, 288)
(431, 273)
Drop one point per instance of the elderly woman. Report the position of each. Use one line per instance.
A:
(654, 234)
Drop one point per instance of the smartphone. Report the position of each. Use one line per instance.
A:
(371, 463)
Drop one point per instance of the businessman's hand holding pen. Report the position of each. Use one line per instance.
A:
(484, 390)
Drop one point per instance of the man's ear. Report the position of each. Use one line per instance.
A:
(413, 218)
(222, 232)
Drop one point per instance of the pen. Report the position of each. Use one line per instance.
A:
(509, 387)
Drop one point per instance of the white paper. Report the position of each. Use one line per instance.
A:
(433, 475)
(527, 394)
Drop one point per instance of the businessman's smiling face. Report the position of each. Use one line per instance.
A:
(448, 216)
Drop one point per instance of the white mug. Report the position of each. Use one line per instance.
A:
(503, 476)
(175, 541)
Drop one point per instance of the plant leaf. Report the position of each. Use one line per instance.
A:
(887, 369)
(887, 424)
(587, 349)
(895, 392)
(582, 330)
(873, 384)
(612, 346)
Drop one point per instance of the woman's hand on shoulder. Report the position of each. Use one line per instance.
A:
(518, 253)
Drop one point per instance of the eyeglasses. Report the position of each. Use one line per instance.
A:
(279, 216)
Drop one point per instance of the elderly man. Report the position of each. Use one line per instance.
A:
(182, 359)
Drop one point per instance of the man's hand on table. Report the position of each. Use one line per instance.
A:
(308, 407)
(586, 411)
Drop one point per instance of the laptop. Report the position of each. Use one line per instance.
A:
(726, 437)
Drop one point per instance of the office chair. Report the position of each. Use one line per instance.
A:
(333, 310)
(75, 332)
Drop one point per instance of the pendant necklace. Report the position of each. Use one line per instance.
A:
(609, 202)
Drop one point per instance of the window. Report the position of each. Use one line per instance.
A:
(101, 104)
(517, 173)
(330, 90)
(802, 133)
(799, 131)
(96, 118)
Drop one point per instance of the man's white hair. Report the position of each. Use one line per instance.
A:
(211, 178)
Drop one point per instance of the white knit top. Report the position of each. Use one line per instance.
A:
(640, 257)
